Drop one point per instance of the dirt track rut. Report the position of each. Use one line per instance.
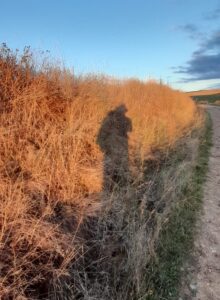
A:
(207, 244)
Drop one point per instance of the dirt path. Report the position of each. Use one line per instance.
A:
(203, 273)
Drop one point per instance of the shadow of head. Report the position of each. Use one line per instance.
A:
(115, 124)
(121, 109)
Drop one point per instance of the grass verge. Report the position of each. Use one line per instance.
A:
(176, 238)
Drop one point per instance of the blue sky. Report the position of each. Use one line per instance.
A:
(175, 40)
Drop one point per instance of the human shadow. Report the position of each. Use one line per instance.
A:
(113, 142)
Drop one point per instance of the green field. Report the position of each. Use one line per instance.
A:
(211, 99)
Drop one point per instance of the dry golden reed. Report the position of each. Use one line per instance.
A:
(51, 168)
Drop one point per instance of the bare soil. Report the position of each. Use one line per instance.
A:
(202, 274)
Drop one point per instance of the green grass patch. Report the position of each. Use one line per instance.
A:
(176, 238)
(211, 99)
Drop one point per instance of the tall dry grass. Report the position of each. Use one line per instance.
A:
(59, 239)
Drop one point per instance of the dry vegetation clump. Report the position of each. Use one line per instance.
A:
(64, 235)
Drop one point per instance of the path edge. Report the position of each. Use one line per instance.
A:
(176, 241)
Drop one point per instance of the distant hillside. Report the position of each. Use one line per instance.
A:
(204, 92)
(206, 96)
